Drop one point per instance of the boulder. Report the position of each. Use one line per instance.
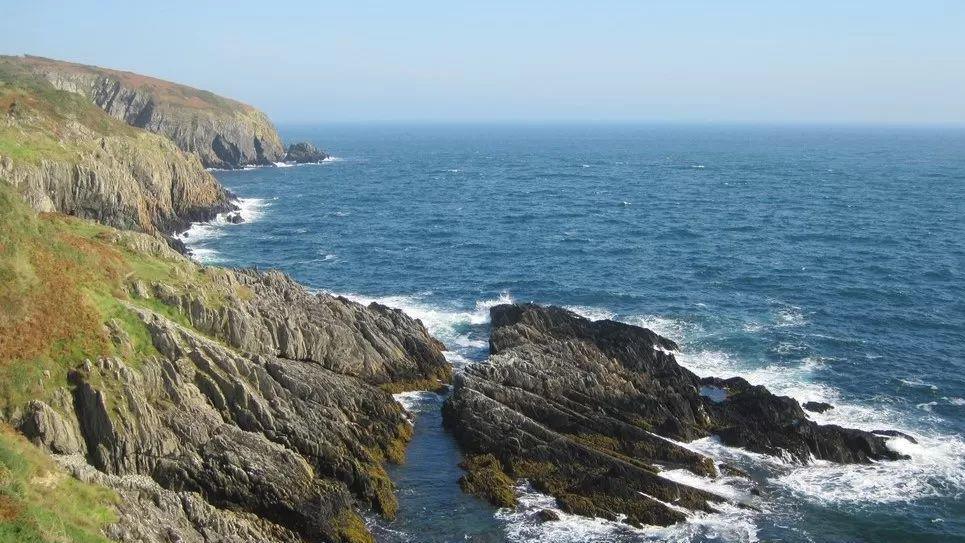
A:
(817, 407)
(304, 152)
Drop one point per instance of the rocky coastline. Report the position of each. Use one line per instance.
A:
(591, 412)
(210, 404)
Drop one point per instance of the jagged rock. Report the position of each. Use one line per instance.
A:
(49, 429)
(547, 515)
(223, 133)
(149, 513)
(591, 412)
(277, 316)
(304, 152)
(275, 431)
(817, 407)
(102, 169)
(235, 218)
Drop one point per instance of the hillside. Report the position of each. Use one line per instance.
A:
(64, 154)
(210, 403)
(222, 132)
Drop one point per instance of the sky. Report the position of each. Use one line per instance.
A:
(688, 61)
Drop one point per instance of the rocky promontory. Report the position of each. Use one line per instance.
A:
(215, 404)
(223, 133)
(304, 153)
(591, 412)
(64, 154)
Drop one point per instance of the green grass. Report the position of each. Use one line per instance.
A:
(39, 502)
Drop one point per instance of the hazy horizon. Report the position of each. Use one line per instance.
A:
(690, 63)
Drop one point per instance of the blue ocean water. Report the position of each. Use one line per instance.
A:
(827, 263)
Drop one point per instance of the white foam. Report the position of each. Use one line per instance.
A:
(790, 316)
(250, 210)
(447, 324)
(592, 313)
(284, 164)
(674, 329)
(918, 383)
(936, 469)
(416, 401)
(729, 523)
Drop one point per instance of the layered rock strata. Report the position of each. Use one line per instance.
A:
(264, 413)
(592, 412)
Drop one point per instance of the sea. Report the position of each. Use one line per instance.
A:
(824, 262)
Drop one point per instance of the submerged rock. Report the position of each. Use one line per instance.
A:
(304, 152)
(592, 412)
(817, 407)
(547, 515)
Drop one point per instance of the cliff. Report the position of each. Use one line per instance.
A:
(592, 413)
(64, 154)
(222, 132)
(211, 404)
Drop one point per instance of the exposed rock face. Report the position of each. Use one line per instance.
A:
(143, 184)
(223, 133)
(63, 154)
(262, 421)
(277, 316)
(304, 152)
(590, 412)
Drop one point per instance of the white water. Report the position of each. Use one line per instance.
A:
(196, 237)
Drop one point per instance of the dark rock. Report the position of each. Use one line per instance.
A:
(547, 515)
(894, 433)
(590, 412)
(817, 407)
(304, 152)
(235, 218)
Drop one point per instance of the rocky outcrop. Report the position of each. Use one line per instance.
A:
(592, 412)
(143, 184)
(262, 414)
(277, 316)
(65, 155)
(304, 152)
(223, 133)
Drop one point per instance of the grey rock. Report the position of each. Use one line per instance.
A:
(590, 412)
(304, 152)
(223, 133)
(269, 426)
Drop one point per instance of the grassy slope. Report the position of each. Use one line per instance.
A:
(38, 114)
(164, 92)
(41, 503)
(61, 280)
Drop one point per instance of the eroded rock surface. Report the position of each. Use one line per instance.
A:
(304, 152)
(222, 132)
(591, 412)
(265, 414)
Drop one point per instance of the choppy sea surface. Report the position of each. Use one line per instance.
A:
(827, 263)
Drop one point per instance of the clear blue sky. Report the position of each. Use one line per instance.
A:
(689, 61)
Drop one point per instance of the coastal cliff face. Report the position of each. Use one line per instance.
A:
(223, 133)
(213, 404)
(592, 412)
(64, 154)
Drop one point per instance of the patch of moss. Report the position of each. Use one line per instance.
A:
(348, 527)
(485, 478)
(397, 387)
